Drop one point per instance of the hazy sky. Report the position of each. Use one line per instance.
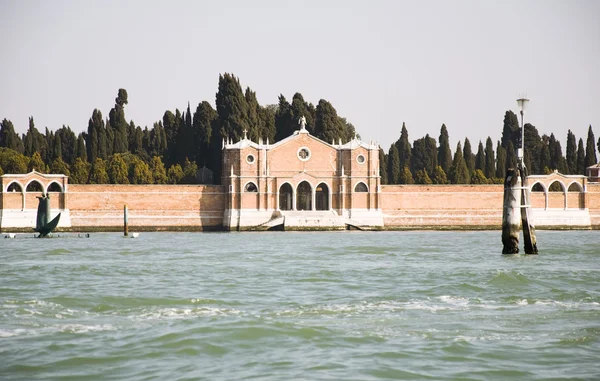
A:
(380, 63)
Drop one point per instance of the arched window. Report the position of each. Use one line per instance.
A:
(250, 187)
(285, 197)
(54, 187)
(14, 187)
(304, 196)
(322, 197)
(575, 187)
(361, 188)
(537, 187)
(34, 186)
(555, 187)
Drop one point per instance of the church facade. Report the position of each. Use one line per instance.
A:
(301, 182)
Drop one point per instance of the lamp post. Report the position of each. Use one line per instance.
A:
(522, 102)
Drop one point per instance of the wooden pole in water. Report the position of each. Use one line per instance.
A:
(511, 215)
(529, 240)
(125, 222)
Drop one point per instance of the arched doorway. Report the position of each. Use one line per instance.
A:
(304, 196)
(285, 197)
(322, 197)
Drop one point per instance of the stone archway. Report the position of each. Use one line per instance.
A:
(285, 197)
(304, 196)
(322, 197)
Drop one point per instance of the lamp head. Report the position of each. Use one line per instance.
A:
(522, 102)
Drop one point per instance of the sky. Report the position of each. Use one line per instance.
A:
(379, 63)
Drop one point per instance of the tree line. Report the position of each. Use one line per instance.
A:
(176, 150)
(181, 146)
(428, 161)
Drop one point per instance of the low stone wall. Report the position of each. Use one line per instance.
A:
(442, 206)
(186, 207)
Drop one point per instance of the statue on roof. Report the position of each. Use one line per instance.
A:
(302, 122)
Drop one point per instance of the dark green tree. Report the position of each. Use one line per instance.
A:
(424, 154)
(490, 167)
(118, 123)
(300, 108)
(80, 148)
(459, 173)
(284, 124)
(511, 156)
(383, 166)
(204, 118)
(404, 148)
(580, 158)
(511, 131)
(500, 162)
(469, 156)
(571, 153)
(9, 138)
(444, 151)
(480, 157)
(393, 165)
(328, 126)
(590, 149)
(231, 107)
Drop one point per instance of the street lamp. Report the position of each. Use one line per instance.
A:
(522, 102)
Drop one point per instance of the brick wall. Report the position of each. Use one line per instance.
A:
(194, 207)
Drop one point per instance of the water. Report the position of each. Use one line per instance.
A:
(302, 306)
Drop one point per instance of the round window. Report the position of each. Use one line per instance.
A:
(360, 159)
(303, 154)
(250, 159)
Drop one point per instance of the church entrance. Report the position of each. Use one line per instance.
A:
(304, 196)
(285, 197)
(322, 197)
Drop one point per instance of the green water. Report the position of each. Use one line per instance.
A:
(300, 306)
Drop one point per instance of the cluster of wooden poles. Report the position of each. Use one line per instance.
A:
(517, 213)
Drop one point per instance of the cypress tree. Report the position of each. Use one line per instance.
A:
(383, 171)
(500, 162)
(571, 153)
(581, 169)
(511, 156)
(203, 120)
(468, 156)
(490, 168)
(284, 126)
(480, 157)
(9, 138)
(118, 123)
(511, 131)
(393, 165)
(231, 107)
(459, 173)
(404, 148)
(300, 108)
(328, 126)
(590, 149)
(444, 151)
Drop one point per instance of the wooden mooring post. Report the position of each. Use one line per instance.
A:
(125, 222)
(516, 212)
